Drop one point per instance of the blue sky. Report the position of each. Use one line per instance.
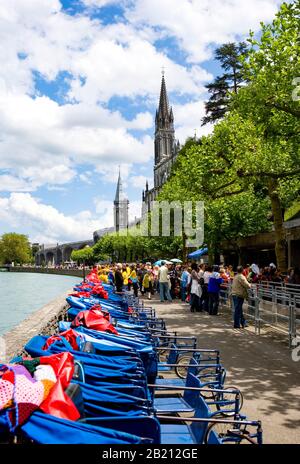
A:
(79, 85)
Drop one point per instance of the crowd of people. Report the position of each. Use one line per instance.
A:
(197, 285)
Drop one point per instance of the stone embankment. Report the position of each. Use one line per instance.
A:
(44, 321)
(47, 270)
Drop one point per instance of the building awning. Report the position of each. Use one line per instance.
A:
(198, 253)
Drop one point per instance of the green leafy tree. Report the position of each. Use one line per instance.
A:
(270, 102)
(86, 255)
(207, 171)
(15, 248)
(104, 247)
(247, 171)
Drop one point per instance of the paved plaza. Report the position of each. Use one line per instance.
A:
(261, 366)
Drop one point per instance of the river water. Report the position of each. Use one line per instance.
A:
(23, 293)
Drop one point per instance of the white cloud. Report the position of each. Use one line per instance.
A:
(138, 181)
(142, 121)
(188, 120)
(42, 143)
(46, 224)
(196, 24)
(135, 210)
(128, 65)
(39, 136)
(110, 174)
(99, 3)
(43, 147)
(9, 183)
(86, 177)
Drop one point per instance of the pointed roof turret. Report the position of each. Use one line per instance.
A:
(163, 108)
(119, 187)
(119, 192)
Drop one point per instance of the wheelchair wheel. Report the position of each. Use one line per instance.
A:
(181, 371)
(163, 355)
(228, 436)
(208, 377)
(228, 397)
(220, 430)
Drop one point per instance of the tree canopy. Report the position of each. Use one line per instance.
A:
(86, 255)
(15, 248)
(230, 57)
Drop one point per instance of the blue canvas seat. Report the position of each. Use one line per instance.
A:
(147, 427)
(193, 401)
(93, 401)
(175, 404)
(167, 405)
(193, 433)
(179, 434)
(46, 429)
(172, 359)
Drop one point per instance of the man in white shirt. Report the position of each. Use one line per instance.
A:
(163, 278)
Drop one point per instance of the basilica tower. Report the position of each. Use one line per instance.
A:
(164, 142)
(166, 147)
(121, 205)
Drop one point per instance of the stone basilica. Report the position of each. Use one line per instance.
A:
(166, 148)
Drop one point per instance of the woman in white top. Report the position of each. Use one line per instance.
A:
(196, 290)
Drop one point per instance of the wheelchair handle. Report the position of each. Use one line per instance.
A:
(176, 336)
(191, 365)
(176, 387)
(257, 424)
(189, 350)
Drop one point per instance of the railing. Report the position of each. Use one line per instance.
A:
(272, 304)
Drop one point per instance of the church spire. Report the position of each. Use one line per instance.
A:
(119, 190)
(121, 204)
(163, 108)
(164, 142)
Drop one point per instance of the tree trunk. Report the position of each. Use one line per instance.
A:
(235, 80)
(240, 258)
(211, 255)
(184, 249)
(280, 244)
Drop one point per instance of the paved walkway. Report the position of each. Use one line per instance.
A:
(261, 366)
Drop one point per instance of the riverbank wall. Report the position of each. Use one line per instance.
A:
(43, 321)
(48, 270)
